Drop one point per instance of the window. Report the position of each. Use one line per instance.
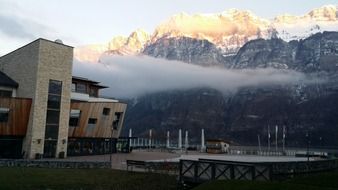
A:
(91, 126)
(116, 121)
(5, 93)
(73, 87)
(106, 111)
(93, 92)
(53, 117)
(53, 109)
(54, 101)
(118, 116)
(74, 118)
(82, 88)
(51, 131)
(92, 121)
(4, 112)
(55, 87)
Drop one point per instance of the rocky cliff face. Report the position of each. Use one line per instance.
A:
(262, 53)
(243, 115)
(313, 54)
(189, 50)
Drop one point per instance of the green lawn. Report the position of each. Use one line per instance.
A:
(76, 179)
(101, 179)
(325, 181)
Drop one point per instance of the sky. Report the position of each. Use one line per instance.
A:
(80, 22)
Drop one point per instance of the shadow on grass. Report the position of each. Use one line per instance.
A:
(97, 179)
(324, 181)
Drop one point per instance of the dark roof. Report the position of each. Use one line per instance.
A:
(6, 81)
(92, 82)
(84, 79)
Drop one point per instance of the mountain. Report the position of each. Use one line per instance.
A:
(90, 53)
(242, 115)
(315, 53)
(228, 31)
(290, 27)
(131, 45)
(238, 39)
(119, 45)
(189, 50)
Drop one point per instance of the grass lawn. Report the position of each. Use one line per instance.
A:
(325, 181)
(41, 178)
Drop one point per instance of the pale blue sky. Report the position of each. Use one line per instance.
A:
(80, 22)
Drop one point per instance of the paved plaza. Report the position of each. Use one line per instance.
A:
(119, 159)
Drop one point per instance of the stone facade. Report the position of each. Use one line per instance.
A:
(32, 66)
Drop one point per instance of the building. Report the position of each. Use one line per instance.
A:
(217, 146)
(89, 117)
(44, 110)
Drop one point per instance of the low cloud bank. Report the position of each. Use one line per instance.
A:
(132, 76)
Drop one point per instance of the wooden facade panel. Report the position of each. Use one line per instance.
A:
(19, 111)
(104, 123)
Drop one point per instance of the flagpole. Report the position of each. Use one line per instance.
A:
(259, 143)
(276, 138)
(283, 138)
(269, 136)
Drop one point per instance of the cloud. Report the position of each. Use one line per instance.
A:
(19, 25)
(16, 27)
(131, 76)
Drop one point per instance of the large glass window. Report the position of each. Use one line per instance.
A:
(82, 88)
(53, 116)
(53, 110)
(51, 131)
(74, 118)
(54, 101)
(4, 112)
(93, 92)
(5, 93)
(55, 87)
(73, 87)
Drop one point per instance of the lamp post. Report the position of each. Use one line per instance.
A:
(111, 147)
(307, 146)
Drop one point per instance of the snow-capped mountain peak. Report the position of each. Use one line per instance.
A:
(228, 30)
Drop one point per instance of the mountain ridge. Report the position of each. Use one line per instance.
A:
(241, 27)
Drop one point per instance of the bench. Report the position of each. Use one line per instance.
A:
(137, 163)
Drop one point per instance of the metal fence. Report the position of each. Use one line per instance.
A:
(195, 172)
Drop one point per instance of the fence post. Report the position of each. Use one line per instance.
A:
(196, 163)
(213, 170)
(271, 172)
(232, 172)
(253, 173)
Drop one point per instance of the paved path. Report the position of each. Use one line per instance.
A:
(119, 159)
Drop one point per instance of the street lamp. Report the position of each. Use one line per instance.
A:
(111, 147)
(307, 146)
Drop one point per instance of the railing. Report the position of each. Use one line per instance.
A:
(195, 172)
(149, 166)
(53, 164)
